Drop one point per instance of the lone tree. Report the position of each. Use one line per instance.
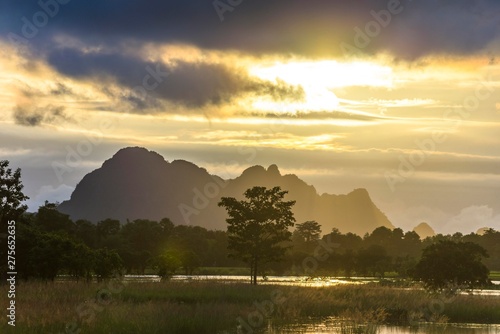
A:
(11, 195)
(450, 264)
(258, 226)
(308, 231)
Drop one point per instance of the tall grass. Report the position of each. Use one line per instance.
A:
(213, 307)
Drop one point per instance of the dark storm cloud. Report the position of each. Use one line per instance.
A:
(457, 27)
(192, 84)
(311, 28)
(79, 64)
(30, 115)
(198, 84)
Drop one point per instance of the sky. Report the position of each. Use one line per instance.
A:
(399, 97)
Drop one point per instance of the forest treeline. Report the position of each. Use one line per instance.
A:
(49, 243)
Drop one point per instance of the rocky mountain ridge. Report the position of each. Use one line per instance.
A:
(139, 184)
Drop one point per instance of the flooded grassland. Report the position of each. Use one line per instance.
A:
(286, 305)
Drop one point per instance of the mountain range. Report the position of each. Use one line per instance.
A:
(139, 184)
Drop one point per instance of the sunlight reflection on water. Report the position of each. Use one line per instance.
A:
(304, 281)
(284, 281)
(278, 280)
(332, 325)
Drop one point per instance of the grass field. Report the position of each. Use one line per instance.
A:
(214, 307)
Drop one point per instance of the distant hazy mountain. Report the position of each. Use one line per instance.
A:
(424, 230)
(137, 183)
(483, 230)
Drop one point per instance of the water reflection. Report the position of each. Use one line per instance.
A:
(334, 326)
(284, 280)
(307, 281)
(278, 280)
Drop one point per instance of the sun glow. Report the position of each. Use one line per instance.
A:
(327, 73)
(319, 79)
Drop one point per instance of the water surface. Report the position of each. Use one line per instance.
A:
(333, 326)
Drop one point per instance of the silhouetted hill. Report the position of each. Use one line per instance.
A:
(424, 230)
(137, 183)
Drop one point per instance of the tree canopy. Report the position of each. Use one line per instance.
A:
(308, 231)
(11, 194)
(258, 226)
(11, 206)
(449, 264)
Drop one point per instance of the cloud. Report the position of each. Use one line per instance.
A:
(444, 27)
(472, 218)
(51, 194)
(147, 84)
(31, 115)
(61, 89)
(198, 84)
(310, 28)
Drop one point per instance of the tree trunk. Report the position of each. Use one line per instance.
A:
(255, 273)
(251, 272)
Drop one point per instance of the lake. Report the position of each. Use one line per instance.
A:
(283, 280)
(333, 326)
(293, 281)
